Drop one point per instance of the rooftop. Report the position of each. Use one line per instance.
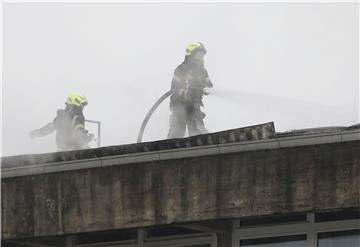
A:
(262, 136)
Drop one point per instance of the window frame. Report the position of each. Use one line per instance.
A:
(167, 241)
(310, 228)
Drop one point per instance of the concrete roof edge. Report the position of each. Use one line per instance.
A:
(282, 142)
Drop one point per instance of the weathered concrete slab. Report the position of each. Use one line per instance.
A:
(250, 133)
(317, 177)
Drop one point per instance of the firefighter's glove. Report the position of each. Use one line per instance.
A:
(90, 137)
(206, 91)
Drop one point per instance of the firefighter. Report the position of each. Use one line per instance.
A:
(188, 86)
(69, 125)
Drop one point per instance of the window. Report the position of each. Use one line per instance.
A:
(343, 239)
(166, 231)
(106, 236)
(203, 245)
(337, 215)
(287, 241)
(325, 229)
(271, 220)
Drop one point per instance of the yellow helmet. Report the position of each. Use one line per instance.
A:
(194, 46)
(76, 99)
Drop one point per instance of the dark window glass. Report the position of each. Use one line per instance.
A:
(201, 245)
(165, 231)
(267, 220)
(55, 241)
(343, 239)
(9, 244)
(339, 215)
(108, 236)
(286, 241)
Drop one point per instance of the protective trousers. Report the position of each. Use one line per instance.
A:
(183, 116)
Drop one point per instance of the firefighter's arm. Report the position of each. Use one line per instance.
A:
(83, 136)
(207, 83)
(43, 131)
(80, 131)
(207, 80)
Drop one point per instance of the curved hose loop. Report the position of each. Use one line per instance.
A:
(149, 114)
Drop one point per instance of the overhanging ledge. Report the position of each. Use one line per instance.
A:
(179, 153)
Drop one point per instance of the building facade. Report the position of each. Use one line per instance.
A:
(243, 187)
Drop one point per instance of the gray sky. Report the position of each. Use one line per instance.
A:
(296, 64)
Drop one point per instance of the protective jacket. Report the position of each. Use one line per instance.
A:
(188, 84)
(69, 125)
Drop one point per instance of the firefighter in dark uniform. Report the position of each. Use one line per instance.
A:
(188, 84)
(69, 125)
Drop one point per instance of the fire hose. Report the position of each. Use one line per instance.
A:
(149, 114)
